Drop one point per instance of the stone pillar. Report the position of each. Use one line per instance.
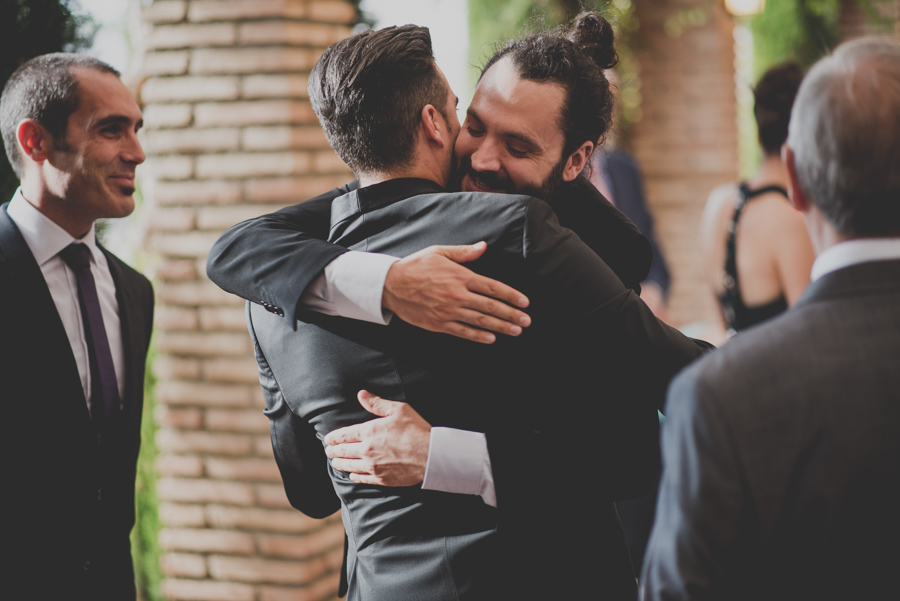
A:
(686, 142)
(230, 134)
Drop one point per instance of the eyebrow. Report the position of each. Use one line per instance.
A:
(528, 140)
(116, 120)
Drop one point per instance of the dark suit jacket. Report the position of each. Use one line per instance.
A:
(271, 260)
(782, 454)
(68, 509)
(627, 187)
(288, 249)
(550, 395)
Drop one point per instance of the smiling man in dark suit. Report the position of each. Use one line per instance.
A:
(781, 451)
(75, 324)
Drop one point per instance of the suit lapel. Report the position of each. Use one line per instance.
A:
(129, 325)
(38, 320)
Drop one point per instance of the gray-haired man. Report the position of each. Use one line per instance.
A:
(781, 450)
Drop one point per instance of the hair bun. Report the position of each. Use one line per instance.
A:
(593, 34)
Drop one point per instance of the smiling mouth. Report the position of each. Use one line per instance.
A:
(125, 182)
(472, 184)
(123, 178)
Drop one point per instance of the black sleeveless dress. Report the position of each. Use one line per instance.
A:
(739, 316)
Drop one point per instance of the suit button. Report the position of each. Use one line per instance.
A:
(272, 309)
(99, 494)
(87, 566)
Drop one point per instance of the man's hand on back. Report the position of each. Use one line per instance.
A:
(389, 451)
(429, 289)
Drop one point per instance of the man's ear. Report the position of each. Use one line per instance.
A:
(433, 125)
(577, 161)
(34, 140)
(795, 192)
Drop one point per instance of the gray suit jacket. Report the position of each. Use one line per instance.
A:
(782, 454)
(583, 381)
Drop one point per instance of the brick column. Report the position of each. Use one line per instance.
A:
(855, 22)
(230, 134)
(686, 141)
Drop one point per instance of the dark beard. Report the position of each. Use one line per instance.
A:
(496, 181)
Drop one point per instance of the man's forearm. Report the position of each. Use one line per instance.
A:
(272, 259)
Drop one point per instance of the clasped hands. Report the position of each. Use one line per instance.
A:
(428, 289)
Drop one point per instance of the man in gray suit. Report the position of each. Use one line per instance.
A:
(781, 451)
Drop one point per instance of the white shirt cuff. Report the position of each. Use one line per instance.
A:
(351, 286)
(458, 462)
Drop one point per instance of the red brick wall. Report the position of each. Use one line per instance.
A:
(686, 142)
(230, 134)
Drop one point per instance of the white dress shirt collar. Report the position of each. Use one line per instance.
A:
(45, 239)
(852, 252)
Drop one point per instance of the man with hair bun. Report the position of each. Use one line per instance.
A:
(506, 409)
(781, 454)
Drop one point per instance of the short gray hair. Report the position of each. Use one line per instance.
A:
(45, 89)
(844, 135)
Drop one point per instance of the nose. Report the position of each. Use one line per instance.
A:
(133, 152)
(486, 156)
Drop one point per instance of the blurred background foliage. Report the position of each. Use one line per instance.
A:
(799, 30)
(145, 547)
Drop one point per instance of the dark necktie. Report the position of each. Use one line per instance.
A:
(104, 389)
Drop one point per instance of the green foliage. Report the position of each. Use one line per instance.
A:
(800, 30)
(145, 548)
(621, 14)
(491, 22)
(29, 28)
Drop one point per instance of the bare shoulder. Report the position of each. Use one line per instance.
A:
(720, 202)
(723, 194)
(718, 210)
(787, 216)
(773, 218)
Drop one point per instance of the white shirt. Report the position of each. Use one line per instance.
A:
(45, 239)
(853, 252)
(352, 286)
